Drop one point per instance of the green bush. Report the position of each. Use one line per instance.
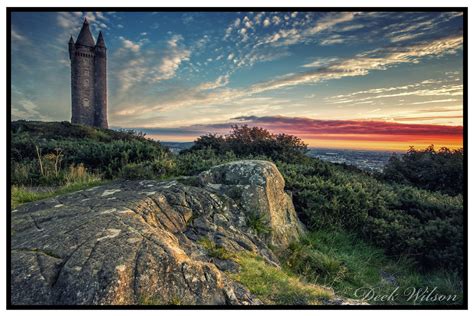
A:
(244, 141)
(196, 161)
(401, 219)
(428, 169)
(42, 152)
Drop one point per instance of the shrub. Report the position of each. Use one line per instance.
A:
(42, 152)
(428, 169)
(259, 223)
(244, 141)
(196, 161)
(401, 219)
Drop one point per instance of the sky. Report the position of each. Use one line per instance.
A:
(357, 80)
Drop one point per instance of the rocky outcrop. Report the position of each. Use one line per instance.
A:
(258, 186)
(150, 242)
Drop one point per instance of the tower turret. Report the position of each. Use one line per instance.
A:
(100, 86)
(71, 48)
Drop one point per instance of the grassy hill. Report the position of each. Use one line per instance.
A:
(364, 231)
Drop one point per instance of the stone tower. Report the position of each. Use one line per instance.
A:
(88, 79)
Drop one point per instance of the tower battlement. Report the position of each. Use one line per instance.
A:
(88, 78)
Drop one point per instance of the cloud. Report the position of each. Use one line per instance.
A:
(320, 62)
(359, 65)
(68, 20)
(221, 81)
(437, 101)
(330, 20)
(362, 64)
(24, 108)
(143, 67)
(170, 64)
(380, 134)
(425, 88)
(417, 26)
(18, 39)
(128, 44)
(333, 39)
(266, 22)
(351, 27)
(301, 125)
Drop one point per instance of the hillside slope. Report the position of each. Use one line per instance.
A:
(148, 242)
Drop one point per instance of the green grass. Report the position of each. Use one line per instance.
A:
(346, 263)
(214, 250)
(20, 194)
(273, 285)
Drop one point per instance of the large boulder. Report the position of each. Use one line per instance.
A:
(258, 186)
(148, 242)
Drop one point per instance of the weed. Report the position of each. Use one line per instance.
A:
(214, 250)
(258, 223)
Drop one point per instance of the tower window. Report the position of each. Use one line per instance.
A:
(86, 102)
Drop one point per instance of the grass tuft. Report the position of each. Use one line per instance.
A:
(273, 285)
(20, 194)
(214, 250)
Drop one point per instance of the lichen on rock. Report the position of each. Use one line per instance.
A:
(151, 242)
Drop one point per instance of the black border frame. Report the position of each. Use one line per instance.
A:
(10, 10)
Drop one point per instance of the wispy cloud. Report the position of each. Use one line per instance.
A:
(299, 125)
(425, 88)
(221, 81)
(17, 37)
(149, 66)
(363, 63)
(359, 65)
(24, 108)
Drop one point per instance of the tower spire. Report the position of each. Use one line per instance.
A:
(85, 36)
(100, 40)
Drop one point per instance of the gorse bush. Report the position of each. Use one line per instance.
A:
(428, 169)
(401, 219)
(244, 141)
(42, 153)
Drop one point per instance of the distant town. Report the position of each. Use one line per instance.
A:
(368, 160)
